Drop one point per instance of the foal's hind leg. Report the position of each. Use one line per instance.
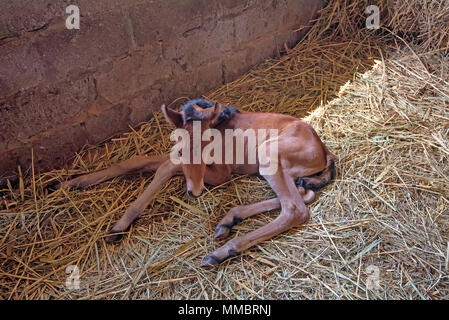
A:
(133, 165)
(237, 214)
(293, 213)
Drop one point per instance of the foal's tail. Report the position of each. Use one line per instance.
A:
(321, 179)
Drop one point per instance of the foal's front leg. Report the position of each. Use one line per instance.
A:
(165, 171)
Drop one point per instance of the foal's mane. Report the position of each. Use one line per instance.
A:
(227, 113)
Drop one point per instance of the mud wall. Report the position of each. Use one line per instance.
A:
(62, 88)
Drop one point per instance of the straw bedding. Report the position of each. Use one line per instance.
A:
(380, 102)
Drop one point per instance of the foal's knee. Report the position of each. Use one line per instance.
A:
(294, 215)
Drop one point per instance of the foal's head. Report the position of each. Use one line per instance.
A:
(202, 115)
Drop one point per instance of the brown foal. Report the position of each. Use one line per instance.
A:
(304, 165)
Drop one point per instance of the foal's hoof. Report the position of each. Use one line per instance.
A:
(210, 261)
(114, 237)
(222, 232)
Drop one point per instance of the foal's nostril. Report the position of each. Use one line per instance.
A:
(190, 193)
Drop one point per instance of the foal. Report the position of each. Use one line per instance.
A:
(303, 166)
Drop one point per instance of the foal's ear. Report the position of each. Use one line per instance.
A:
(215, 114)
(173, 117)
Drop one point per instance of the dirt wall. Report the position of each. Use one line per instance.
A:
(62, 88)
